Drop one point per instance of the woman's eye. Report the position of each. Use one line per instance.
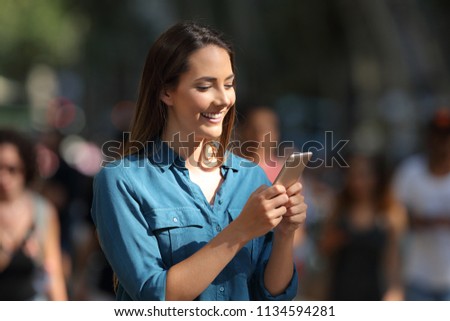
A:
(228, 86)
(203, 88)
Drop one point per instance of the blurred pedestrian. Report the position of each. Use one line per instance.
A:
(259, 134)
(362, 237)
(70, 192)
(180, 217)
(422, 183)
(30, 253)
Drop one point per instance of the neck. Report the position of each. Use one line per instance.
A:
(186, 146)
(198, 154)
(438, 167)
(363, 200)
(193, 156)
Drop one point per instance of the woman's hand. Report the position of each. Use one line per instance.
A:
(263, 211)
(295, 214)
(279, 269)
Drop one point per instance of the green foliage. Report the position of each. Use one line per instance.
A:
(37, 31)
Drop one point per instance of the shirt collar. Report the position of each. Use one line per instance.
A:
(231, 161)
(162, 155)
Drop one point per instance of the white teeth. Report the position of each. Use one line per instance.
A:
(212, 115)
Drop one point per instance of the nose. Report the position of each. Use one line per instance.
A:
(224, 97)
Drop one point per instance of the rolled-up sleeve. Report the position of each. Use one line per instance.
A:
(125, 237)
(259, 291)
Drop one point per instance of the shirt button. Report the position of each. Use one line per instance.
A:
(175, 220)
(218, 229)
(221, 289)
(220, 202)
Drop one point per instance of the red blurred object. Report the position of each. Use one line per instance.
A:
(441, 120)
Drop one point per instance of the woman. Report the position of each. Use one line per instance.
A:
(362, 237)
(180, 217)
(30, 254)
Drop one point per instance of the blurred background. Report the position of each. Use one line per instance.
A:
(370, 72)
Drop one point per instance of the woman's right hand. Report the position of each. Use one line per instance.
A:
(263, 211)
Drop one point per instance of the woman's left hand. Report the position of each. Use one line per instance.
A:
(296, 210)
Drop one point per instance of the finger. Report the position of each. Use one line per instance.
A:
(278, 212)
(278, 201)
(295, 219)
(294, 189)
(273, 191)
(295, 200)
(277, 220)
(297, 209)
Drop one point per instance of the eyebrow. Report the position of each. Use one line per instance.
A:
(211, 79)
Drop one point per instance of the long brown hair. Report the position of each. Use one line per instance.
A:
(166, 61)
(25, 148)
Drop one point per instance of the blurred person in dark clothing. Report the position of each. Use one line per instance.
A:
(30, 254)
(422, 183)
(363, 234)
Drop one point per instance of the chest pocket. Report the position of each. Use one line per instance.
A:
(180, 232)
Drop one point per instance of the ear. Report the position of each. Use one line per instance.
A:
(166, 97)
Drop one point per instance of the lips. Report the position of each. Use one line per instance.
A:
(212, 115)
(213, 118)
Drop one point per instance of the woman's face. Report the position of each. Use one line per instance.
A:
(361, 177)
(12, 177)
(203, 96)
(263, 122)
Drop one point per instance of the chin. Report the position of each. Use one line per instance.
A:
(210, 134)
(210, 137)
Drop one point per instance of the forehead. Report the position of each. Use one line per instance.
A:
(9, 153)
(210, 59)
(264, 115)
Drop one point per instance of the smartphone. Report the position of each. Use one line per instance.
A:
(292, 169)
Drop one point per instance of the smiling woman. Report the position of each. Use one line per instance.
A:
(180, 217)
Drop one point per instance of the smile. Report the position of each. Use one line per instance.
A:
(212, 115)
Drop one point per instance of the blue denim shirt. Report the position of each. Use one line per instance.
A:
(149, 216)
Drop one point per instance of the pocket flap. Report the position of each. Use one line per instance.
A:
(165, 218)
